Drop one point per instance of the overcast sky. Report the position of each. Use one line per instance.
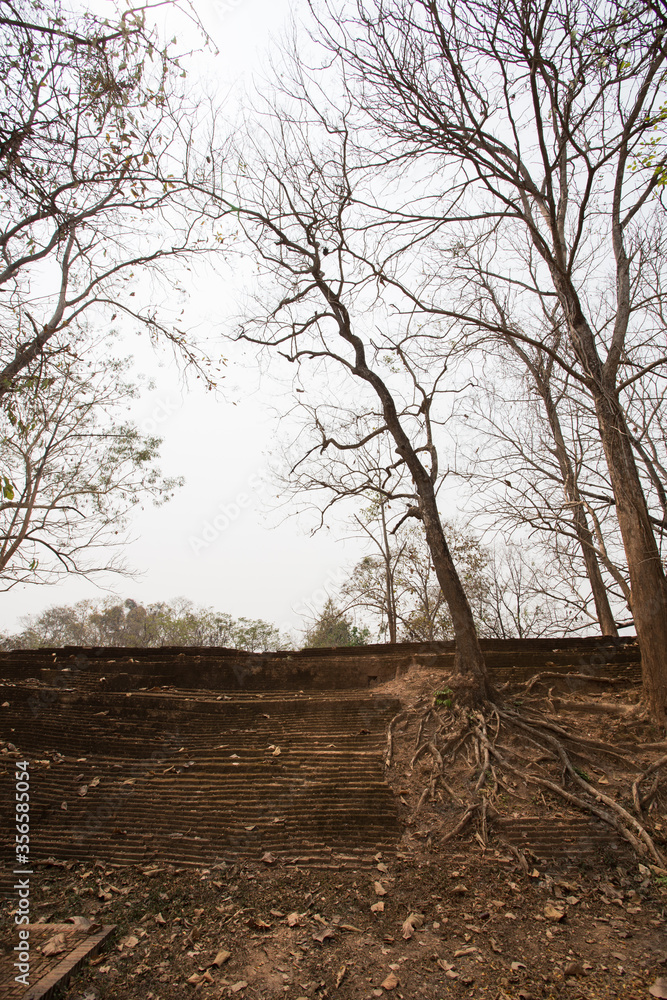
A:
(214, 543)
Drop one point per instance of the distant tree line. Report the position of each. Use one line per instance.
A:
(109, 623)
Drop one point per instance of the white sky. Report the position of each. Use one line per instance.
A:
(244, 563)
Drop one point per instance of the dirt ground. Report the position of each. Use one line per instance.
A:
(442, 918)
(481, 931)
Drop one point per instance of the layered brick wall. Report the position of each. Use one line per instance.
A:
(212, 668)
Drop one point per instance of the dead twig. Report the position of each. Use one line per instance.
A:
(484, 745)
(422, 800)
(515, 852)
(422, 725)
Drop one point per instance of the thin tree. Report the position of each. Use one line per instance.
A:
(297, 211)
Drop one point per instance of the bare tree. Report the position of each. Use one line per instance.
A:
(539, 119)
(524, 597)
(530, 449)
(540, 368)
(297, 210)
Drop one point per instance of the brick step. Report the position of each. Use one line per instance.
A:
(305, 855)
(556, 837)
(282, 808)
(200, 851)
(243, 764)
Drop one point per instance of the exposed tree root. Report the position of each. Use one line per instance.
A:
(390, 734)
(639, 802)
(535, 752)
(555, 675)
(463, 822)
(519, 855)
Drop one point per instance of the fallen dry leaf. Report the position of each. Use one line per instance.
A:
(325, 933)
(465, 951)
(413, 921)
(129, 941)
(222, 957)
(553, 913)
(292, 919)
(159, 919)
(258, 924)
(515, 966)
(55, 945)
(340, 975)
(241, 985)
(84, 922)
(268, 858)
(391, 982)
(659, 988)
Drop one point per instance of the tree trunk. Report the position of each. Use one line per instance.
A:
(647, 576)
(389, 579)
(468, 658)
(602, 607)
(579, 520)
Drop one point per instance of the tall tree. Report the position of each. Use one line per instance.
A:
(540, 119)
(530, 450)
(298, 213)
